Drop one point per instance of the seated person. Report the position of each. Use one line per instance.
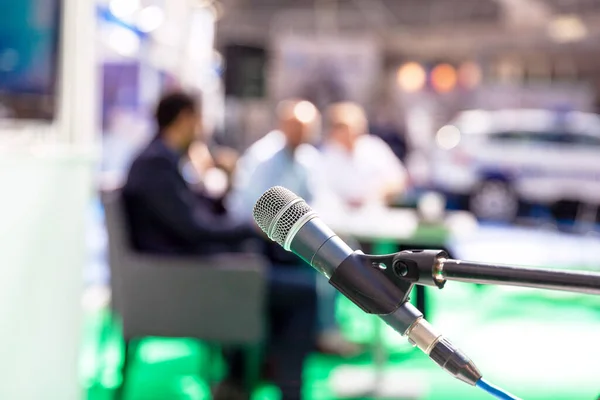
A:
(167, 217)
(359, 168)
(282, 157)
(286, 158)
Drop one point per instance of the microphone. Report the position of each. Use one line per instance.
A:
(286, 219)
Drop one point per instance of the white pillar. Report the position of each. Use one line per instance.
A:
(46, 186)
(78, 124)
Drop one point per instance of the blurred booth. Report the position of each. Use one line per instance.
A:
(145, 49)
(69, 70)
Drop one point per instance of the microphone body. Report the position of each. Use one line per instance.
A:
(289, 221)
(320, 247)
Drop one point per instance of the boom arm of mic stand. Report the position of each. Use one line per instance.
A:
(570, 281)
(381, 284)
(434, 268)
(380, 288)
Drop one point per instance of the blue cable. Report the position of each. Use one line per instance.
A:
(494, 390)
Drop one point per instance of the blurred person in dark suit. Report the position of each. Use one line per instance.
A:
(167, 217)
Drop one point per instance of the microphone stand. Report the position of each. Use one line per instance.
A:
(391, 278)
(461, 271)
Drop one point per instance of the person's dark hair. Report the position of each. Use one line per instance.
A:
(171, 105)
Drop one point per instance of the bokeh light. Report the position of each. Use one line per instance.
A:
(216, 182)
(431, 207)
(443, 78)
(411, 77)
(124, 9)
(567, 28)
(150, 18)
(448, 137)
(123, 41)
(510, 69)
(469, 75)
(305, 112)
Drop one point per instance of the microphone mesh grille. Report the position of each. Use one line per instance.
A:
(284, 225)
(270, 204)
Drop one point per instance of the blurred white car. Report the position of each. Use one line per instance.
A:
(498, 158)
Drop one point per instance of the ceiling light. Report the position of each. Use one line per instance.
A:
(567, 28)
(123, 41)
(150, 18)
(411, 77)
(124, 9)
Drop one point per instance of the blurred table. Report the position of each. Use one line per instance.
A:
(398, 225)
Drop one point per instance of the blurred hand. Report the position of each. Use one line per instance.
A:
(390, 193)
(226, 158)
(200, 157)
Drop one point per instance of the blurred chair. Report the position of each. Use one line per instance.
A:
(220, 300)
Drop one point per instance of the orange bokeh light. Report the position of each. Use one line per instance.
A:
(411, 77)
(443, 78)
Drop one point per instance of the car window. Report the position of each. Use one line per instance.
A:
(585, 140)
(569, 139)
(506, 137)
(545, 138)
(513, 137)
(558, 138)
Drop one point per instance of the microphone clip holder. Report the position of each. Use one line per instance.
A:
(388, 279)
(386, 284)
(381, 284)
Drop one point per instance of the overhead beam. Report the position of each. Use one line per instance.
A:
(479, 38)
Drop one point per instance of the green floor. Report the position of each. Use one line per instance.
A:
(539, 345)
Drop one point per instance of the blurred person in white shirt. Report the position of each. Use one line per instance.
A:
(359, 168)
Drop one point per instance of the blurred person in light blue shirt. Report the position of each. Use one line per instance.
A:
(282, 157)
(286, 158)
